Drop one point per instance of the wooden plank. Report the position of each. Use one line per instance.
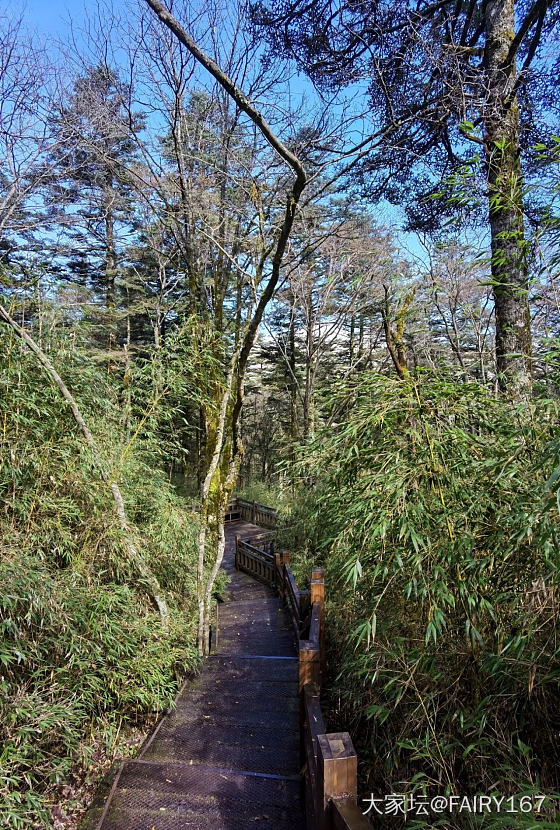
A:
(312, 725)
(315, 627)
(337, 771)
(257, 775)
(254, 512)
(309, 664)
(254, 564)
(265, 509)
(304, 609)
(255, 551)
(346, 815)
(318, 585)
(310, 789)
(313, 715)
(330, 758)
(293, 597)
(278, 574)
(260, 540)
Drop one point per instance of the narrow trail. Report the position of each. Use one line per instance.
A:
(228, 755)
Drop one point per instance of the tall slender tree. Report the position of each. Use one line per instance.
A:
(223, 435)
(90, 193)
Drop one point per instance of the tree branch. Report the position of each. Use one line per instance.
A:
(230, 87)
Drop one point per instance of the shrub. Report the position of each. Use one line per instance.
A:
(81, 648)
(435, 516)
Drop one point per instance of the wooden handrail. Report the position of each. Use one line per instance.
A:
(292, 593)
(254, 561)
(312, 725)
(252, 511)
(330, 758)
(315, 627)
(262, 553)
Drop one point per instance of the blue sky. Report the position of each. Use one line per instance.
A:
(51, 20)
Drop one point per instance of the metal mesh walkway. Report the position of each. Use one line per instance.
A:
(228, 755)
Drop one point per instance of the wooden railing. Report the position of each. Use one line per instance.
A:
(252, 511)
(331, 763)
(255, 560)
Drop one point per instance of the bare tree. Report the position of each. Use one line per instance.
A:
(334, 287)
(459, 306)
(224, 445)
(28, 97)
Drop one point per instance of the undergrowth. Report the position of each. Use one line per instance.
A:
(433, 507)
(263, 493)
(81, 648)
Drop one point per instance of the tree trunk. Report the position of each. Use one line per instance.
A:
(110, 252)
(294, 432)
(293, 386)
(215, 493)
(394, 337)
(308, 414)
(509, 247)
(127, 380)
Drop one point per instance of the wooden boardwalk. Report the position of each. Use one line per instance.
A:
(228, 755)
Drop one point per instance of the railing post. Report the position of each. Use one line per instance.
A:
(284, 560)
(337, 773)
(317, 594)
(254, 512)
(309, 664)
(236, 552)
(279, 571)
